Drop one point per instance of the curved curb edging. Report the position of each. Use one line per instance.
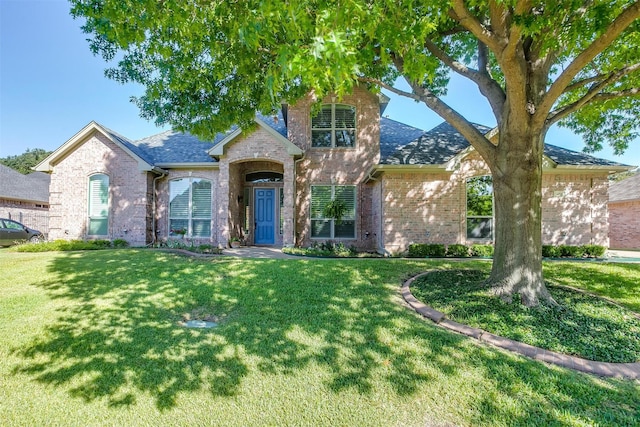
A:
(605, 369)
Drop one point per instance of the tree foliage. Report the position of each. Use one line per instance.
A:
(25, 161)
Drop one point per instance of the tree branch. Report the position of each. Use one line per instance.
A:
(607, 37)
(563, 112)
(619, 73)
(461, 14)
(487, 86)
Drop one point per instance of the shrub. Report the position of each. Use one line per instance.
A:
(64, 245)
(458, 251)
(550, 251)
(120, 243)
(482, 250)
(593, 251)
(421, 250)
(570, 251)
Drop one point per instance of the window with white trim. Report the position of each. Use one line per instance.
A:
(480, 207)
(190, 207)
(98, 205)
(334, 126)
(324, 227)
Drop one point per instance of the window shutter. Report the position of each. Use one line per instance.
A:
(320, 197)
(179, 198)
(98, 196)
(345, 117)
(347, 194)
(323, 119)
(201, 193)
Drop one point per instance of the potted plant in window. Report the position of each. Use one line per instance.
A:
(234, 242)
(335, 209)
(179, 231)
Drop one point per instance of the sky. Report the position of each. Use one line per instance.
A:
(51, 86)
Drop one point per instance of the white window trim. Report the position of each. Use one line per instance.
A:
(467, 216)
(355, 216)
(190, 217)
(89, 205)
(333, 128)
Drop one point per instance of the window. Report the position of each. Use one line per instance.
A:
(334, 126)
(190, 207)
(480, 208)
(331, 228)
(98, 205)
(262, 177)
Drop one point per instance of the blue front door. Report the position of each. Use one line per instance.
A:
(265, 216)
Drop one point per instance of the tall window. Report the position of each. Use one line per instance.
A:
(190, 207)
(323, 226)
(334, 126)
(480, 207)
(98, 205)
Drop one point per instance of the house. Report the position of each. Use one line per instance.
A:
(624, 213)
(270, 185)
(25, 198)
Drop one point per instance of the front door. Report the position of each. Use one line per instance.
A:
(265, 216)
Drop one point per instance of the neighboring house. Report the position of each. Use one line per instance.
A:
(25, 198)
(624, 213)
(269, 185)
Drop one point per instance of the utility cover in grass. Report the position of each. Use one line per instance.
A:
(202, 324)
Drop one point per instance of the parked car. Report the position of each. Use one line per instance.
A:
(12, 232)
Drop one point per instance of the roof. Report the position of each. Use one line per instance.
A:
(394, 135)
(175, 147)
(444, 142)
(16, 186)
(627, 189)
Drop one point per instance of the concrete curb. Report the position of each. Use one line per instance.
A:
(604, 369)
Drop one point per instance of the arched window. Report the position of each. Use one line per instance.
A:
(98, 205)
(480, 207)
(190, 207)
(334, 126)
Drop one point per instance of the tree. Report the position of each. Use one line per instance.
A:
(207, 65)
(25, 161)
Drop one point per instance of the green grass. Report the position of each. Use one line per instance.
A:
(582, 325)
(92, 338)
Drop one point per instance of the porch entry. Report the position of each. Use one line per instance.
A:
(264, 216)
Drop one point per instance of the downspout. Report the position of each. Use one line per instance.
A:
(163, 173)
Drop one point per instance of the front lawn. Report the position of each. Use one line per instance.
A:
(93, 338)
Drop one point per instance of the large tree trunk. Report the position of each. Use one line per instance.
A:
(517, 186)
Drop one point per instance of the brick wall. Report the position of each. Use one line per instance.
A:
(624, 225)
(128, 192)
(338, 166)
(431, 207)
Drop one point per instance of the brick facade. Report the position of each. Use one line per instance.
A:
(624, 224)
(129, 189)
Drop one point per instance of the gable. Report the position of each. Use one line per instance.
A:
(81, 137)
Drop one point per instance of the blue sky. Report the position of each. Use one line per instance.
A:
(51, 86)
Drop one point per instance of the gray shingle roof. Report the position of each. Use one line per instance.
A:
(627, 189)
(16, 186)
(394, 135)
(129, 144)
(442, 143)
(175, 147)
(435, 147)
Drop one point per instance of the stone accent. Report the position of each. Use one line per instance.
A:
(624, 224)
(129, 189)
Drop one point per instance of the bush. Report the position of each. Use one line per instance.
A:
(64, 245)
(120, 243)
(570, 251)
(458, 251)
(550, 251)
(482, 250)
(422, 250)
(593, 251)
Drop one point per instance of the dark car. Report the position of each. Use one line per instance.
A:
(12, 232)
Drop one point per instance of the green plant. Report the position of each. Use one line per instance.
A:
(335, 209)
(550, 251)
(422, 250)
(569, 251)
(120, 243)
(593, 251)
(458, 251)
(485, 251)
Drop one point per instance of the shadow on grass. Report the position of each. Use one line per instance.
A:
(118, 336)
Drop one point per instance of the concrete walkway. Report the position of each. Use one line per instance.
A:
(605, 369)
(258, 252)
